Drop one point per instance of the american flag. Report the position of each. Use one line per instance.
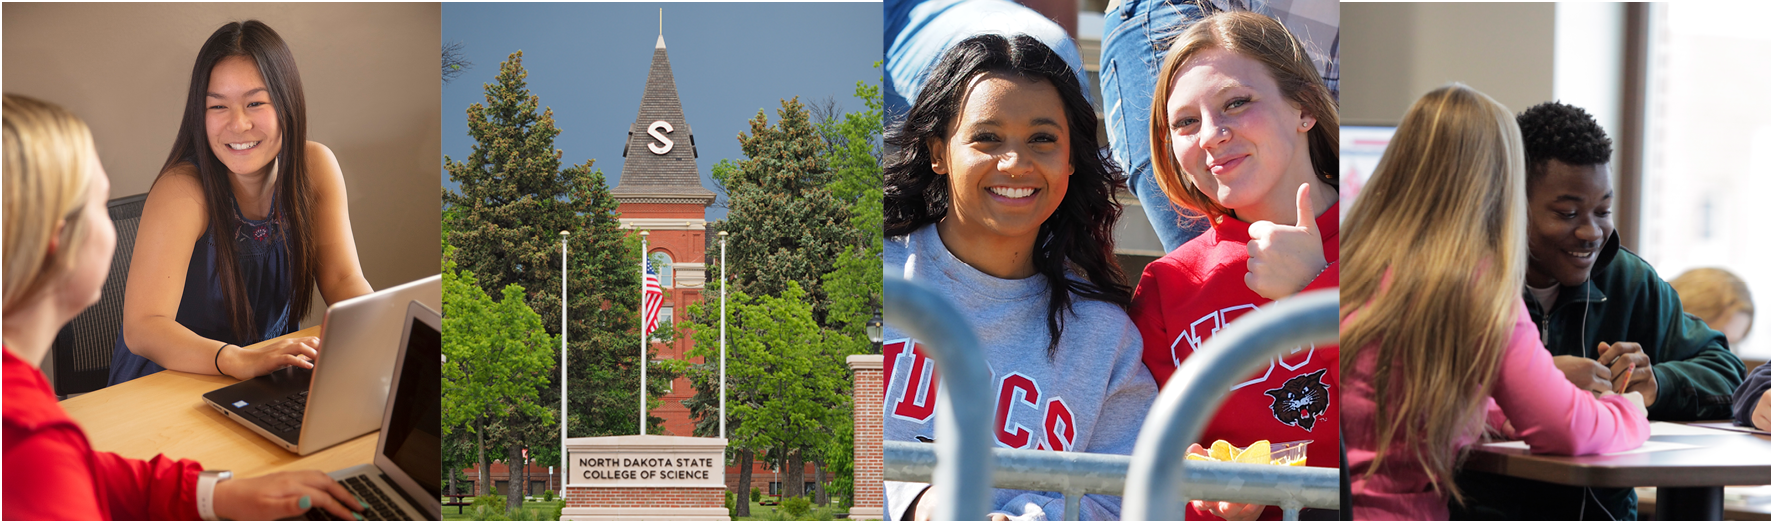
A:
(652, 299)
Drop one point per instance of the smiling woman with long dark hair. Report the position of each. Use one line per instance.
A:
(246, 217)
(1000, 199)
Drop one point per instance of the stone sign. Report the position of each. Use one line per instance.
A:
(645, 478)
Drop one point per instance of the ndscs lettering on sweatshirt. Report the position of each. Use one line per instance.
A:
(1025, 418)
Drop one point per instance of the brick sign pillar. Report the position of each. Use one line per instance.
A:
(869, 429)
(652, 478)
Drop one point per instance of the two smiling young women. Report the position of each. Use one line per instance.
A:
(1000, 198)
(245, 217)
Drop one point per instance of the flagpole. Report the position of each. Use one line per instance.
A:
(643, 345)
(563, 235)
(722, 334)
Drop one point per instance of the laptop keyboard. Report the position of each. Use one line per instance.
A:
(380, 507)
(282, 415)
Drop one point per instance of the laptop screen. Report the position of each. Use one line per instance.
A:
(415, 425)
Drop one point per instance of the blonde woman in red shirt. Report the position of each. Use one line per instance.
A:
(58, 245)
(1244, 133)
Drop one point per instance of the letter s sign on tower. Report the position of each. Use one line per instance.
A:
(667, 143)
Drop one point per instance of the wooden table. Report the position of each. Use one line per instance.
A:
(164, 413)
(1689, 481)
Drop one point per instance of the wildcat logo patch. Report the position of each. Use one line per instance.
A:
(1300, 400)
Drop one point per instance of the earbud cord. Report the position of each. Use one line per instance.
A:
(1583, 343)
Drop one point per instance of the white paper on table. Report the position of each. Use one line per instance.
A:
(1647, 446)
(1728, 426)
(1678, 429)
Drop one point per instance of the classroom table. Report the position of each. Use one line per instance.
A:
(1753, 512)
(164, 413)
(1689, 481)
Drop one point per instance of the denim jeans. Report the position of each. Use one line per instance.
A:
(1137, 36)
(918, 33)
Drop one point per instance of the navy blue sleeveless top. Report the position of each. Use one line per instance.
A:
(264, 267)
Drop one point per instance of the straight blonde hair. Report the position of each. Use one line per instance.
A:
(1714, 295)
(1262, 39)
(1435, 261)
(49, 154)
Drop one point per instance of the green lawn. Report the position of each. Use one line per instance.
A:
(545, 507)
(757, 511)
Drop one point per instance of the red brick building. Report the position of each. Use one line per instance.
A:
(660, 192)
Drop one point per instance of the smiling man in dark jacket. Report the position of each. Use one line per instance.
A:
(1603, 313)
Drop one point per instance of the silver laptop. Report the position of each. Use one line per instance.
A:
(342, 397)
(405, 482)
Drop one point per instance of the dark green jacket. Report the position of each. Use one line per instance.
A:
(1623, 301)
(1626, 301)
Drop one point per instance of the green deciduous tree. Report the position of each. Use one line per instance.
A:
(794, 374)
(496, 356)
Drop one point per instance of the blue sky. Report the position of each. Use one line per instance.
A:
(588, 61)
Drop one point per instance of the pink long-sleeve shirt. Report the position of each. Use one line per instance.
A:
(1549, 413)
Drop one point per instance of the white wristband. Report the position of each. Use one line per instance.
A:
(206, 492)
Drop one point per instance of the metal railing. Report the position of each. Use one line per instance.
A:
(962, 421)
(1198, 387)
(1196, 390)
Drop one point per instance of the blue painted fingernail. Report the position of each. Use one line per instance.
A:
(360, 502)
(359, 516)
(304, 503)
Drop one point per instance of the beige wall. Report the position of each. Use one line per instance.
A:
(369, 71)
(1392, 53)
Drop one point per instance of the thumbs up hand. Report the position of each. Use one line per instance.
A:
(1283, 259)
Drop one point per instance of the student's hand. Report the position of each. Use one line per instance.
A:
(1585, 373)
(246, 364)
(1282, 259)
(1762, 412)
(281, 495)
(1621, 355)
(1231, 511)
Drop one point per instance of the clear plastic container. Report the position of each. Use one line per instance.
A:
(1290, 453)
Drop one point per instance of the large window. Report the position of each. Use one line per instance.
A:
(1707, 153)
(662, 266)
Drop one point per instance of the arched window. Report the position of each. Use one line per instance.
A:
(661, 265)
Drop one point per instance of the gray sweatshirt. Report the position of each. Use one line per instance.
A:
(1092, 397)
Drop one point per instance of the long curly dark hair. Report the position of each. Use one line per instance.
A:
(1078, 236)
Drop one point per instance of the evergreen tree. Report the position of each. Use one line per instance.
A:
(515, 198)
(785, 222)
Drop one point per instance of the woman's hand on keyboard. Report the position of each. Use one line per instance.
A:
(246, 364)
(284, 494)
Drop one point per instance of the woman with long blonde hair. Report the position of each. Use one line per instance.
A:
(1438, 342)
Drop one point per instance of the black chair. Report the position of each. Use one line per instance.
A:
(82, 350)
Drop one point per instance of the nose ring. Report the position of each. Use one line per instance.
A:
(1223, 130)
